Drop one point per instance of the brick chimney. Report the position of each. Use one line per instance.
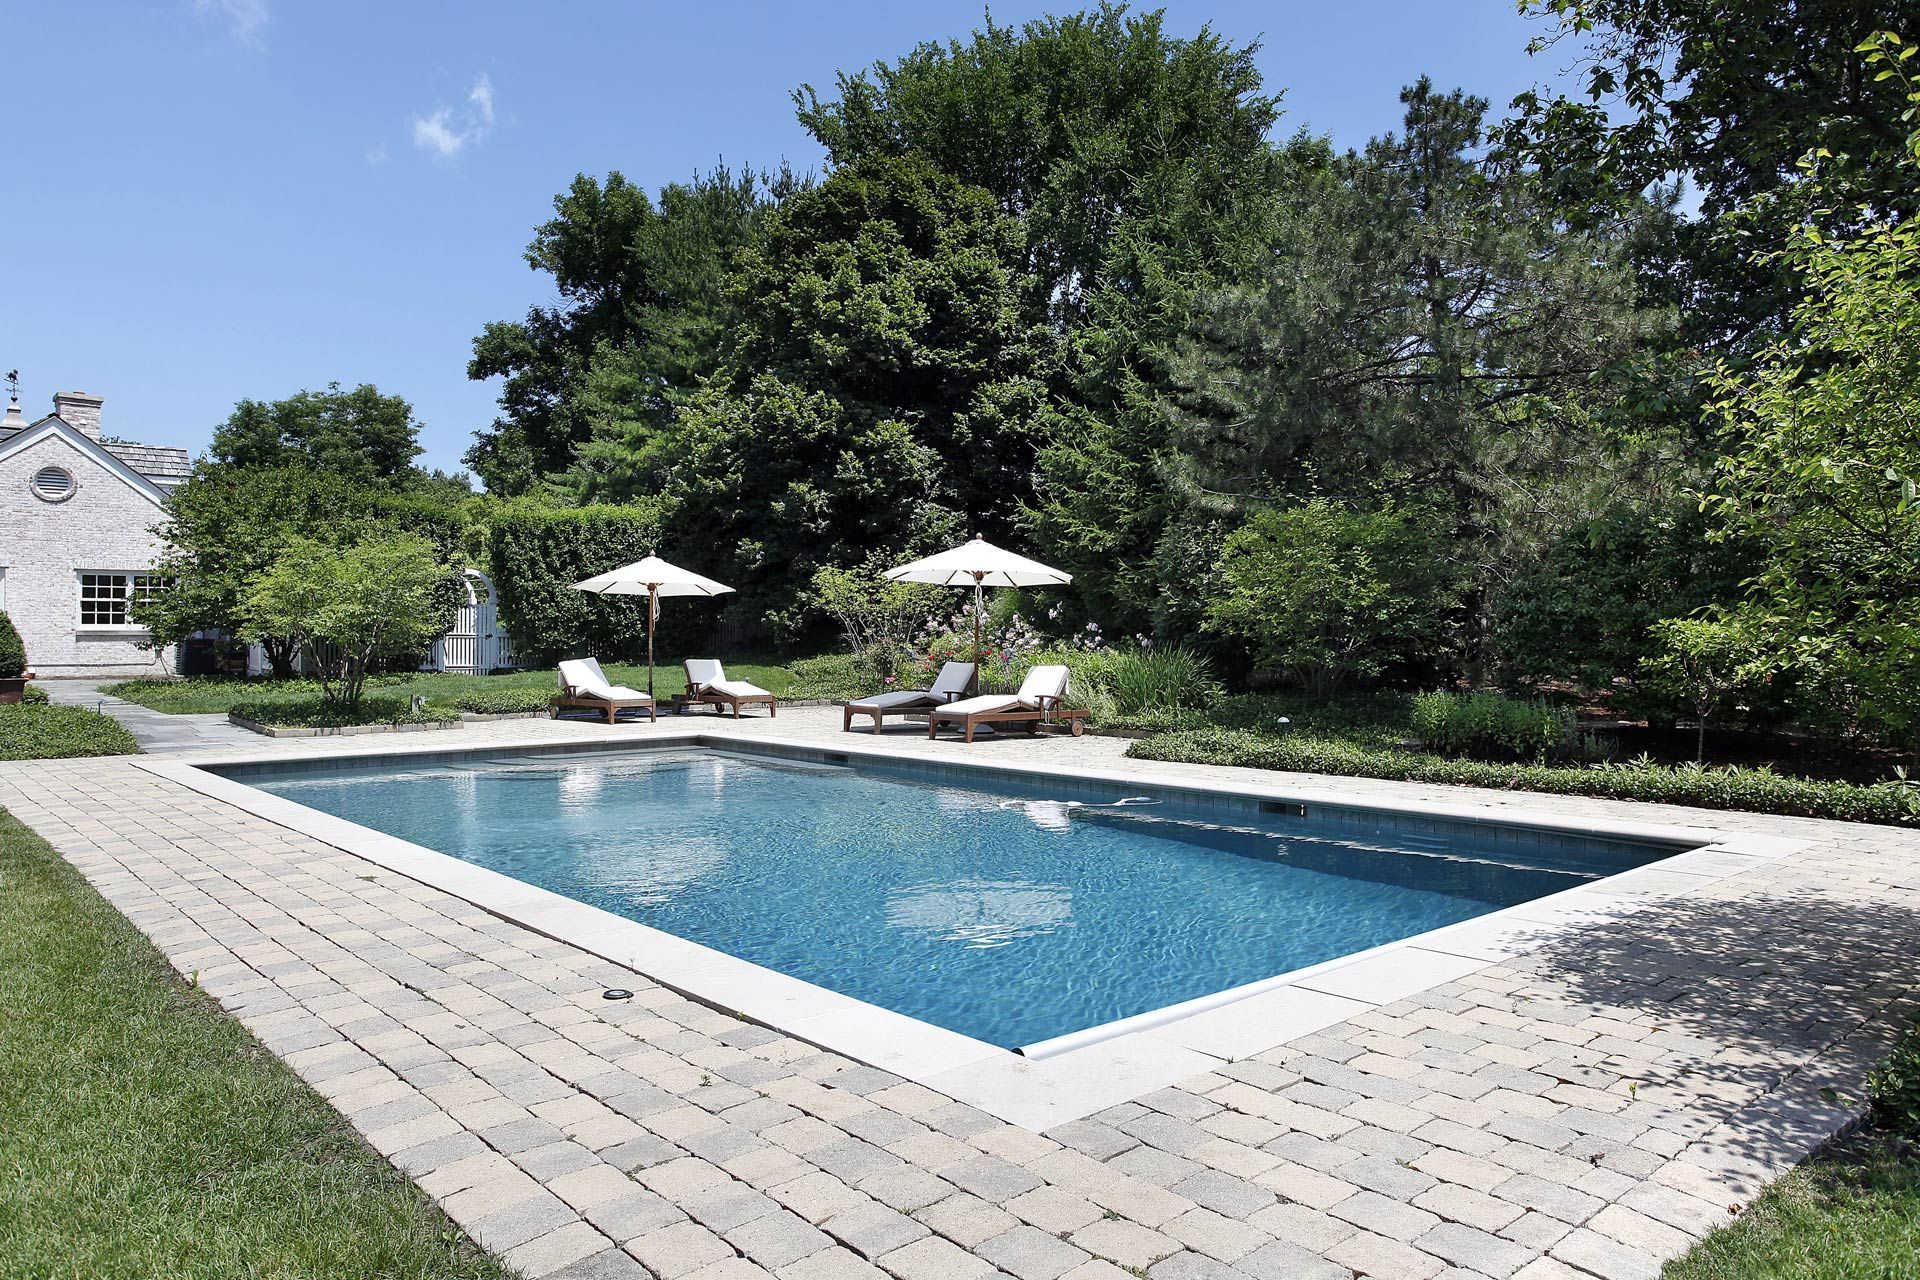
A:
(79, 410)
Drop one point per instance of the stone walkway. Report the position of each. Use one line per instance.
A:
(1587, 1111)
(155, 731)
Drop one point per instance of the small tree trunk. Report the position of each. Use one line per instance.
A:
(1700, 740)
(280, 651)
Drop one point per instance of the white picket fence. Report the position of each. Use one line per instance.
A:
(475, 644)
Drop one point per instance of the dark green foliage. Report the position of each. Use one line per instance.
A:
(1490, 727)
(505, 700)
(1893, 1087)
(1128, 682)
(898, 290)
(34, 695)
(754, 495)
(13, 651)
(1327, 595)
(1583, 611)
(536, 553)
(1752, 790)
(323, 712)
(39, 731)
(146, 1133)
(834, 675)
(359, 436)
(645, 314)
(1128, 153)
(1732, 101)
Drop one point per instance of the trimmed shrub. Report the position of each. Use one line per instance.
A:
(506, 700)
(843, 675)
(34, 695)
(13, 650)
(1490, 727)
(39, 731)
(1750, 790)
(1893, 1087)
(318, 713)
(538, 553)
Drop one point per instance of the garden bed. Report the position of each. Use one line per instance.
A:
(340, 730)
(37, 730)
(1748, 790)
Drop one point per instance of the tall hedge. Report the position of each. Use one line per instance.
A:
(538, 553)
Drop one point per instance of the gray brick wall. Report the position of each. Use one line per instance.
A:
(104, 525)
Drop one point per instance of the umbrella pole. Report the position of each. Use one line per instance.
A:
(653, 607)
(977, 608)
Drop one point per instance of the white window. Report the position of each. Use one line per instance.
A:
(105, 597)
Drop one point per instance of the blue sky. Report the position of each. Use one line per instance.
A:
(213, 199)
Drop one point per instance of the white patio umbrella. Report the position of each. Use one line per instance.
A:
(652, 578)
(979, 564)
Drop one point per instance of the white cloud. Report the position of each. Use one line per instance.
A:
(377, 155)
(481, 99)
(246, 19)
(446, 132)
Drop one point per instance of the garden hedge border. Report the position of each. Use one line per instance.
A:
(1748, 790)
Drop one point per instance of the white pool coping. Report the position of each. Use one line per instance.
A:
(1070, 1076)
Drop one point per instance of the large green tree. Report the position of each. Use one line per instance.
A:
(222, 530)
(645, 312)
(1421, 322)
(361, 435)
(1126, 152)
(1727, 98)
(883, 383)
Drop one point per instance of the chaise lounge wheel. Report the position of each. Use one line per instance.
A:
(1079, 727)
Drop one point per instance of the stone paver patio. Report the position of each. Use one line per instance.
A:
(1588, 1110)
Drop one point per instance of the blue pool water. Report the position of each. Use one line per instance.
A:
(1011, 918)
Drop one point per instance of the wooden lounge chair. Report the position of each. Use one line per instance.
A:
(948, 686)
(707, 682)
(1039, 700)
(585, 687)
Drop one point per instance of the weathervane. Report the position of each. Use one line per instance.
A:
(13, 385)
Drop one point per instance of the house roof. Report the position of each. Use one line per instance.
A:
(159, 463)
(163, 465)
(155, 491)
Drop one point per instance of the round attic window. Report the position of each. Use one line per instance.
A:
(53, 484)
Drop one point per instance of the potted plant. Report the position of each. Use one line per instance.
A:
(13, 662)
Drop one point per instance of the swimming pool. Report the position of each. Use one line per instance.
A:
(1008, 913)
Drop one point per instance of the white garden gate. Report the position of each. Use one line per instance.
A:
(475, 644)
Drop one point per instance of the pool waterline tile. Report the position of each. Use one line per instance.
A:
(1075, 1083)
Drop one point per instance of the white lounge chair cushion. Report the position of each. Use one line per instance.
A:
(706, 675)
(582, 677)
(1041, 690)
(950, 683)
(985, 702)
(737, 689)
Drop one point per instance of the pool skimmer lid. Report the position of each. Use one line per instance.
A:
(616, 993)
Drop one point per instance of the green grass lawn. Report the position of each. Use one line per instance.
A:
(1853, 1215)
(214, 695)
(143, 1132)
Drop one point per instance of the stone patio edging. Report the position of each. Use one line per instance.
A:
(1076, 1075)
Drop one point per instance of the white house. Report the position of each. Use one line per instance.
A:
(76, 544)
